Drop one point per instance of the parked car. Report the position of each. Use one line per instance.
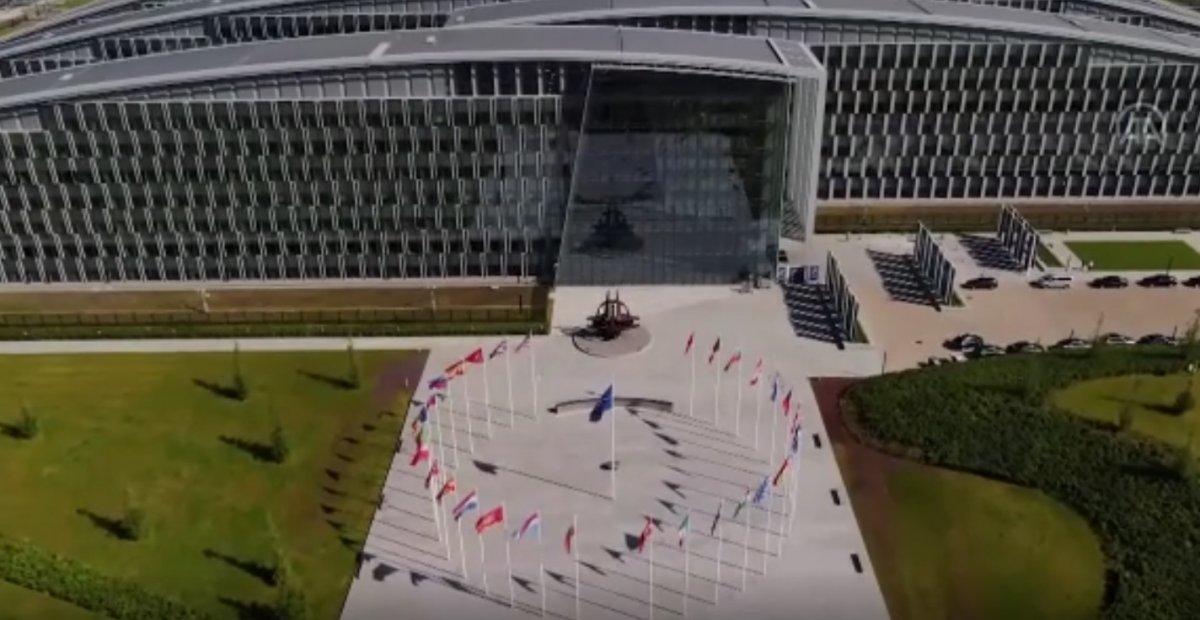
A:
(963, 342)
(1193, 281)
(1072, 344)
(1110, 282)
(1159, 339)
(981, 283)
(1115, 338)
(1024, 346)
(1159, 280)
(1053, 280)
(986, 350)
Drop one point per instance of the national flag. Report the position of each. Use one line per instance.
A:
(433, 473)
(524, 343)
(569, 540)
(474, 357)
(740, 505)
(532, 524)
(787, 403)
(457, 369)
(421, 454)
(499, 350)
(603, 405)
(423, 435)
(774, 388)
(795, 447)
(684, 526)
(448, 487)
(423, 414)
(690, 341)
(439, 382)
(761, 494)
(644, 537)
(757, 374)
(488, 519)
(712, 531)
(467, 504)
(712, 355)
(737, 357)
(782, 468)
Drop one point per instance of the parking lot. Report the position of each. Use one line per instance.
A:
(908, 329)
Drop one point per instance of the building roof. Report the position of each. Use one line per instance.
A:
(579, 43)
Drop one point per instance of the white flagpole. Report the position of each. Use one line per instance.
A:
(542, 568)
(720, 543)
(651, 542)
(533, 379)
(512, 410)
(487, 397)
(787, 494)
(575, 552)
(717, 396)
(508, 560)
(462, 550)
(692, 385)
(770, 499)
(612, 464)
(467, 405)
(687, 543)
(482, 566)
(437, 520)
(758, 388)
(737, 410)
(453, 430)
(748, 508)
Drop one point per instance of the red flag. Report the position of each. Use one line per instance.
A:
(644, 537)
(421, 454)
(713, 354)
(457, 369)
(787, 403)
(474, 357)
(433, 472)
(570, 539)
(447, 488)
(489, 518)
(757, 373)
(737, 357)
(782, 468)
(691, 340)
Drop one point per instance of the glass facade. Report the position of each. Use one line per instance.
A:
(681, 179)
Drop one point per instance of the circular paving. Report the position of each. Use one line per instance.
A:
(629, 342)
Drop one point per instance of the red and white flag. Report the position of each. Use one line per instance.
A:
(733, 360)
(712, 355)
(447, 488)
(457, 369)
(570, 539)
(644, 537)
(433, 473)
(782, 468)
(421, 454)
(474, 357)
(787, 403)
(754, 378)
(488, 519)
(687, 349)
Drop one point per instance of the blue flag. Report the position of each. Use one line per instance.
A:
(761, 493)
(603, 406)
(774, 388)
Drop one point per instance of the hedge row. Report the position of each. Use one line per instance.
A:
(989, 417)
(73, 582)
(268, 330)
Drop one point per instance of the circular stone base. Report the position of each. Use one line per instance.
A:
(630, 341)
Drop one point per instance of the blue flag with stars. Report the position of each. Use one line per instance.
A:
(603, 405)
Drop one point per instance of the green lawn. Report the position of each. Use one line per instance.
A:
(967, 547)
(114, 425)
(1049, 260)
(1136, 255)
(20, 604)
(1147, 398)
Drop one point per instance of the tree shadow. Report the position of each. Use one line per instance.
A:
(110, 526)
(223, 391)
(340, 383)
(258, 451)
(248, 610)
(10, 431)
(257, 570)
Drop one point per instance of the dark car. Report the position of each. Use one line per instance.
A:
(1110, 282)
(1024, 346)
(981, 283)
(1158, 339)
(1193, 281)
(962, 342)
(1159, 280)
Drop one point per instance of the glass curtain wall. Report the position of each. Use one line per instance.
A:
(679, 179)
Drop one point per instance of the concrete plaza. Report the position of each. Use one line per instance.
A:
(673, 461)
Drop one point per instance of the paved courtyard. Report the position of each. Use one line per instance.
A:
(673, 461)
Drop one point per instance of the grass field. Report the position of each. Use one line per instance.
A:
(20, 604)
(1136, 255)
(143, 425)
(1146, 397)
(1049, 260)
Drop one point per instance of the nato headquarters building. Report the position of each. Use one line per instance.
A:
(569, 141)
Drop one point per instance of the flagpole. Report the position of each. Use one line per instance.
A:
(687, 543)
(651, 579)
(612, 464)
(512, 410)
(745, 544)
(692, 385)
(542, 568)
(437, 522)
(482, 565)
(787, 494)
(767, 530)
(758, 388)
(462, 550)
(575, 550)
(737, 410)
(487, 397)
(533, 379)
(453, 430)
(720, 541)
(508, 560)
(467, 406)
(717, 397)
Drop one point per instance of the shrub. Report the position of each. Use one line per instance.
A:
(279, 448)
(68, 580)
(290, 603)
(1184, 401)
(239, 390)
(1139, 496)
(28, 426)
